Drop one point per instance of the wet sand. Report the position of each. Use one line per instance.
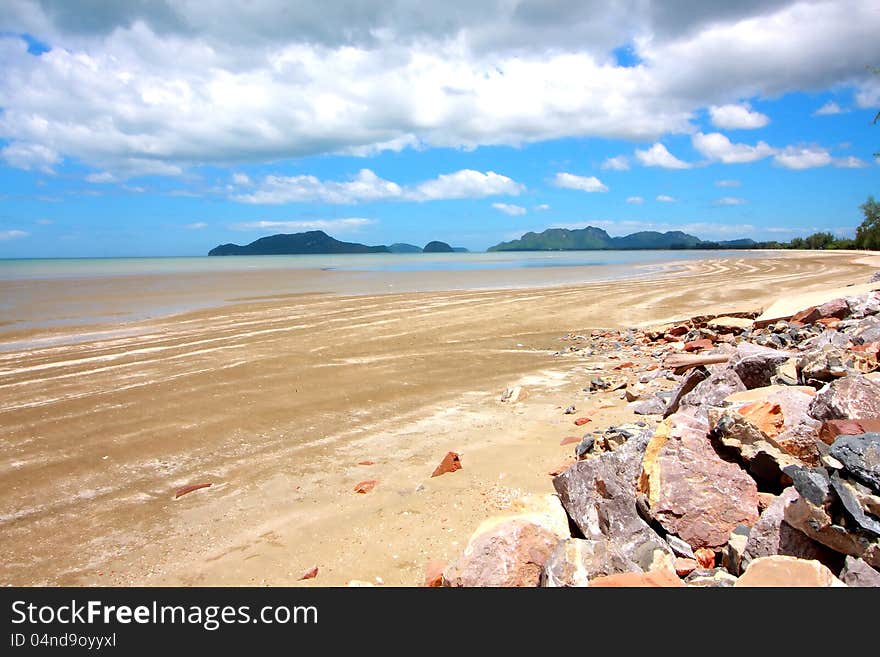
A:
(275, 401)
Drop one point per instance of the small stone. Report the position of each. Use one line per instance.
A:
(698, 345)
(714, 578)
(365, 486)
(180, 492)
(705, 557)
(366, 463)
(680, 547)
(450, 463)
(779, 570)
(570, 410)
(311, 573)
(568, 440)
(581, 421)
(514, 394)
(684, 566)
(434, 574)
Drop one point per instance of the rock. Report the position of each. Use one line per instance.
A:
(732, 555)
(599, 496)
(355, 583)
(680, 547)
(569, 440)
(311, 573)
(365, 486)
(831, 429)
(812, 484)
(559, 469)
(657, 578)
(705, 557)
(684, 566)
(514, 394)
(823, 364)
(584, 446)
(691, 491)
(780, 570)
(787, 373)
(765, 416)
(434, 574)
(756, 365)
(765, 500)
(853, 397)
(864, 304)
(766, 393)
(851, 499)
(688, 383)
(857, 573)
(608, 383)
(860, 455)
(634, 393)
(180, 492)
(570, 410)
(368, 462)
(581, 421)
(698, 345)
(716, 577)
(730, 324)
(772, 535)
(450, 463)
(713, 391)
(650, 406)
(575, 561)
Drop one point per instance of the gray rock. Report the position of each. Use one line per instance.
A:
(583, 448)
(813, 484)
(575, 561)
(714, 390)
(714, 577)
(756, 365)
(690, 381)
(599, 495)
(865, 304)
(649, 406)
(825, 363)
(854, 397)
(680, 547)
(857, 573)
(849, 498)
(860, 456)
(732, 554)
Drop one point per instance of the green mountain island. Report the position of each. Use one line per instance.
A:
(319, 242)
(596, 239)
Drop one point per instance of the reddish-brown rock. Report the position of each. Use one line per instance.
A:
(366, 463)
(779, 570)
(806, 316)
(581, 421)
(365, 486)
(677, 331)
(691, 491)
(568, 440)
(685, 566)
(831, 429)
(853, 397)
(434, 574)
(183, 490)
(767, 417)
(698, 345)
(311, 573)
(654, 578)
(624, 365)
(450, 463)
(705, 557)
(765, 500)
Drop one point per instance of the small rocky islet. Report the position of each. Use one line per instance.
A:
(756, 461)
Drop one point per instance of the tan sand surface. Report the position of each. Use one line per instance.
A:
(276, 401)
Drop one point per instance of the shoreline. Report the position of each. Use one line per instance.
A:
(397, 379)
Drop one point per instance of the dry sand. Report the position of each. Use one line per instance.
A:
(275, 402)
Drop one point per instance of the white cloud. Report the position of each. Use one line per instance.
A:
(829, 108)
(241, 179)
(730, 200)
(731, 117)
(365, 186)
(636, 200)
(199, 225)
(663, 198)
(617, 163)
(541, 208)
(12, 234)
(466, 183)
(348, 224)
(512, 210)
(850, 162)
(659, 156)
(44, 222)
(103, 177)
(29, 156)
(582, 183)
(803, 157)
(718, 147)
(727, 183)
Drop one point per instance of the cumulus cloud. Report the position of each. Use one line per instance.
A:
(731, 117)
(466, 183)
(803, 157)
(198, 225)
(582, 183)
(154, 88)
(829, 108)
(617, 163)
(727, 183)
(730, 200)
(850, 162)
(12, 235)
(348, 224)
(636, 200)
(663, 198)
(659, 156)
(512, 210)
(716, 146)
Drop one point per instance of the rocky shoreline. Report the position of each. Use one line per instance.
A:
(756, 461)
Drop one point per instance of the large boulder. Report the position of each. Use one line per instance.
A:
(599, 495)
(780, 570)
(756, 365)
(575, 561)
(860, 455)
(851, 398)
(691, 491)
(655, 578)
(831, 429)
(713, 391)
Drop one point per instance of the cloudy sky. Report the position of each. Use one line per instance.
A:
(165, 127)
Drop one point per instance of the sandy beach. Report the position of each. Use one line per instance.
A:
(275, 401)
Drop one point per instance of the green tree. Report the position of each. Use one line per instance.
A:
(868, 234)
(819, 241)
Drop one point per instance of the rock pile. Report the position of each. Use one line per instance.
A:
(760, 467)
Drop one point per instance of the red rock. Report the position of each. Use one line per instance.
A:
(765, 500)
(568, 440)
(705, 557)
(828, 322)
(831, 429)
(869, 348)
(697, 345)
(450, 463)
(655, 578)
(836, 308)
(806, 316)
(311, 573)
(685, 566)
(677, 331)
(651, 367)
(765, 416)
(581, 421)
(365, 486)
(625, 365)
(365, 463)
(189, 489)
(434, 574)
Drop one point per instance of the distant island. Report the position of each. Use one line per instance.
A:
(319, 242)
(596, 239)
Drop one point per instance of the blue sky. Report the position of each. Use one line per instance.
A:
(150, 129)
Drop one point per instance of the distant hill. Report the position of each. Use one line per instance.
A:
(437, 247)
(401, 247)
(460, 249)
(313, 241)
(594, 239)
